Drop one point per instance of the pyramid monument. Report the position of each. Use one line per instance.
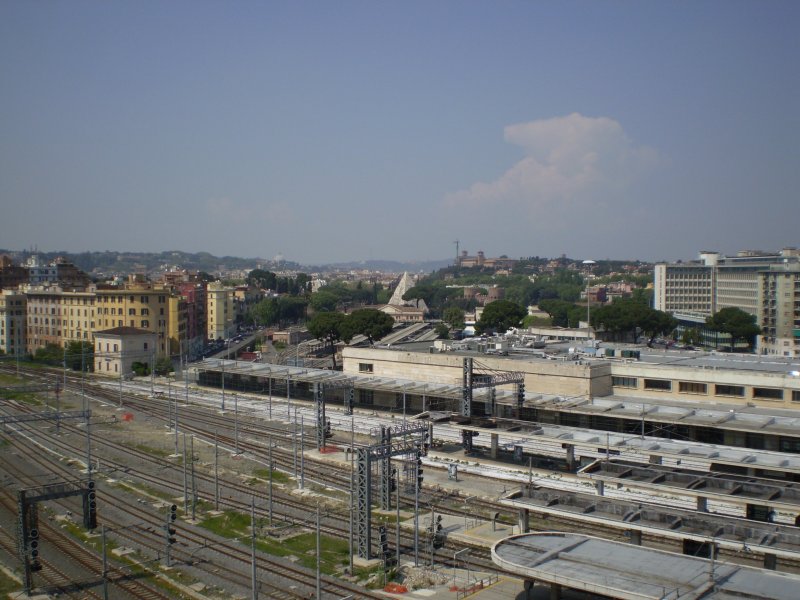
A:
(405, 284)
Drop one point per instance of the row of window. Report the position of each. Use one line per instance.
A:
(121, 299)
(695, 387)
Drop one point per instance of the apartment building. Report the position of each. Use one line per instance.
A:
(221, 311)
(751, 281)
(46, 315)
(779, 314)
(194, 295)
(12, 322)
(11, 275)
(144, 305)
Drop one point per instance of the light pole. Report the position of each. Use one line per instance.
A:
(588, 264)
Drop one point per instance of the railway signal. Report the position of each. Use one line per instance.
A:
(33, 549)
(419, 472)
(438, 536)
(170, 531)
(90, 506)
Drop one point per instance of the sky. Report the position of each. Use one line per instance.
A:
(350, 130)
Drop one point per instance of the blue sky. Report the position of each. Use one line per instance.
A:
(331, 131)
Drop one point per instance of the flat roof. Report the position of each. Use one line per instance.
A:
(734, 533)
(632, 572)
(714, 486)
(675, 358)
(634, 445)
(695, 452)
(530, 431)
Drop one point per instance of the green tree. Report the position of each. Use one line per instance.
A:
(655, 322)
(80, 353)
(324, 301)
(327, 326)
(691, 336)
(262, 279)
(739, 324)
(454, 316)
(52, 354)
(442, 331)
(163, 366)
(369, 322)
(557, 309)
(500, 316)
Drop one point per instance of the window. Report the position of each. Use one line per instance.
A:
(145, 345)
(729, 390)
(767, 393)
(795, 395)
(692, 387)
(116, 348)
(132, 311)
(662, 385)
(628, 382)
(365, 368)
(145, 324)
(366, 397)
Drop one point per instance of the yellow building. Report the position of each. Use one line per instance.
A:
(58, 316)
(147, 306)
(221, 311)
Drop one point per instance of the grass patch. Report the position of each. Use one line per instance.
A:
(159, 452)
(8, 585)
(277, 476)
(24, 397)
(142, 488)
(11, 380)
(334, 552)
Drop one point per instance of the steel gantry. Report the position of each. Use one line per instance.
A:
(405, 439)
(323, 429)
(490, 379)
(28, 519)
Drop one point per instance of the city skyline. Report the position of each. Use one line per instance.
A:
(605, 130)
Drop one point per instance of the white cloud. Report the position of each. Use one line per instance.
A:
(568, 160)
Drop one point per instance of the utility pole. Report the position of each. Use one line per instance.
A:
(105, 563)
(253, 577)
(269, 439)
(302, 453)
(397, 524)
(223, 382)
(194, 482)
(236, 422)
(176, 424)
(216, 471)
(185, 483)
(294, 442)
(319, 560)
(416, 512)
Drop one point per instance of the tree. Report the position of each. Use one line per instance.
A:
(655, 322)
(739, 324)
(262, 279)
(163, 366)
(442, 331)
(691, 336)
(500, 315)
(369, 322)
(80, 354)
(324, 301)
(454, 316)
(327, 326)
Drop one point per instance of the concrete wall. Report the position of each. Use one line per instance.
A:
(563, 378)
